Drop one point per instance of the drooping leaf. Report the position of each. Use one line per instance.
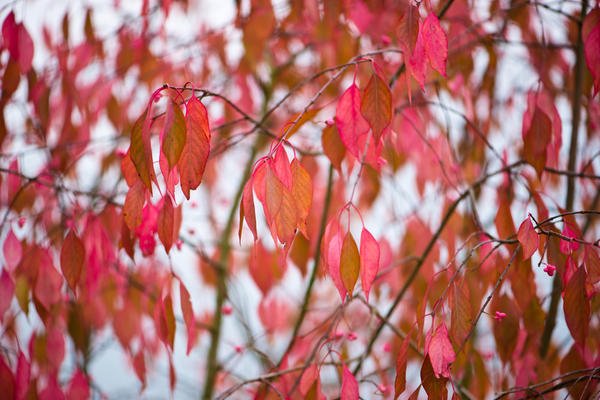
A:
(7, 380)
(280, 165)
(376, 105)
(7, 290)
(281, 209)
(79, 388)
(332, 248)
(22, 377)
(401, 362)
(197, 146)
(188, 317)
(166, 224)
(440, 351)
(349, 385)
(18, 41)
(434, 386)
(164, 320)
(141, 152)
(591, 47)
(48, 284)
(536, 141)
(577, 307)
(349, 263)
(174, 137)
(12, 249)
(301, 193)
(369, 260)
(309, 379)
(72, 256)
(133, 207)
(528, 238)
(333, 147)
(417, 64)
(247, 211)
(349, 120)
(435, 43)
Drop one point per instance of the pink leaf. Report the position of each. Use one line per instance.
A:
(435, 42)
(188, 316)
(78, 387)
(369, 260)
(418, 60)
(350, 122)
(281, 166)
(528, 238)
(197, 146)
(48, 284)
(349, 385)
(247, 211)
(22, 377)
(332, 249)
(440, 351)
(12, 250)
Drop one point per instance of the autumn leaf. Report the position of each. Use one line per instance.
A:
(528, 238)
(72, 256)
(435, 43)
(376, 105)
(369, 260)
(332, 248)
(440, 351)
(536, 140)
(166, 224)
(349, 120)
(134, 204)
(349, 385)
(247, 211)
(577, 307)
(188, 317)
(141, 152)
(13, 251)
(333, 147)
(349, 263)
(401, 362)
(302, 192)
(195, 152)
(7, 290)
(174, 137)
(18, 41)
(591, 46)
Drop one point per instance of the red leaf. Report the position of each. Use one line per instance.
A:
(188, 317)
(197, 146)
(18, 41)
(441, 352)
(141, 152)
(78, 387)
(369, 260)
(280, 164)
(435, 43)
(174, 137)
(309, 378)
(7, 291)
(591, 47)
(349, 120)
(247, 211)
(133, 207)
(349, 385)
(48, 284)
(577, 307)
(401, 362)
(166, 224)
(13, 250)
(274, 312)
(536, 140)
(349, 263)
(22, 377)
(528, 238)
(72, 256)
(418, 60)
(376, 106)
(7, 380)
(164, 320)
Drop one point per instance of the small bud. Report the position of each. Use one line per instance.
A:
(178, 244)
(227, 309)
(499, 316)
(238, 349)
(550, 269)
(351, 336)
(386, 40)
(21, 221)
(387, 347)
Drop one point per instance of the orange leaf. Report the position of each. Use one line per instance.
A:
(376, 105)
(188, 316)
(301, 193)
(333, 147)
(536, 140)
(369, 260)
(280, 209)
(174, 137)
(72, 256)
(349, 263)
(134, 203)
